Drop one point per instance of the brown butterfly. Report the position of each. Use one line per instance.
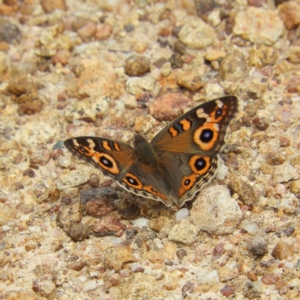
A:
(179, 160)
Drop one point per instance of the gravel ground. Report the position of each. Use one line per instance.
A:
(115, 68)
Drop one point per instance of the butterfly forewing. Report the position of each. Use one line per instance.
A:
(200, 130)
(111, 156)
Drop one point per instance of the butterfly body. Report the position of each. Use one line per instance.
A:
(179, 160)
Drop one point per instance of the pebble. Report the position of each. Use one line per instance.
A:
(136, 85)
(181, 253)
(258, 246)
(148, 286)
(184, 232)
(67, 215)
(87, 31)
(157, 224)
(258, 25)
(181, 214)
(99, 206)
(295, 187)
(76, 265)
(141, 222)
(243, 189)
(233, 66)
(74, 178)
(189, 80)
(290, 14)
(116, 257)
(196, 34)
(169, 106)
(209, 278)
(282, 251)
(87, 110)
(250, 227)
(227, 291)
(223, 211)
(269, 279)
(50, 6)
(78, 231)
(109, 225)
(9, 32)
(284, 173)
(137, 65)
(103, 32)
(44, 285)
(251, 289)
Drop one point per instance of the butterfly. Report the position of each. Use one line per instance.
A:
(173, 167)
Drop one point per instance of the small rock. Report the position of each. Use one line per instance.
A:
(227, 291)
(243, 189)
(99, 206)
(103, 32)
(290, 14)
(263, 55)
(44, 285)
(252, 276)
(69, 215)
(176, 61)
(87, 31)
(74, 178)
(233, 66)
(109, 225)
(210, 278)
(79, 231)
(213, 54)
(181, 214)
(117, 257)
(258, 246)
(189, 80)
(258, 25)
(215, 211)
(269, 279)
(295, 187)
(51, 5)
(94, 180)
(169, 106)
(158, 223)
(142, 284)
(196, 34)
(288, 231)
(293, 55)
(9, 32)
(76, 265)
(137, 65)
(184, 232)
(284, 173)
(218, 250)
(179, 47)
(136, 85)
(251, 290)
(282, 251)
(250, 227)
(181, 253)
(188, 288)
(158, 256)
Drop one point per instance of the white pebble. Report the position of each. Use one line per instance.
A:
(210, 278)
(181, 214)
(250, 227)
(141, 222)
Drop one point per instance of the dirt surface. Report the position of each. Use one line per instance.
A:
(116, 68)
